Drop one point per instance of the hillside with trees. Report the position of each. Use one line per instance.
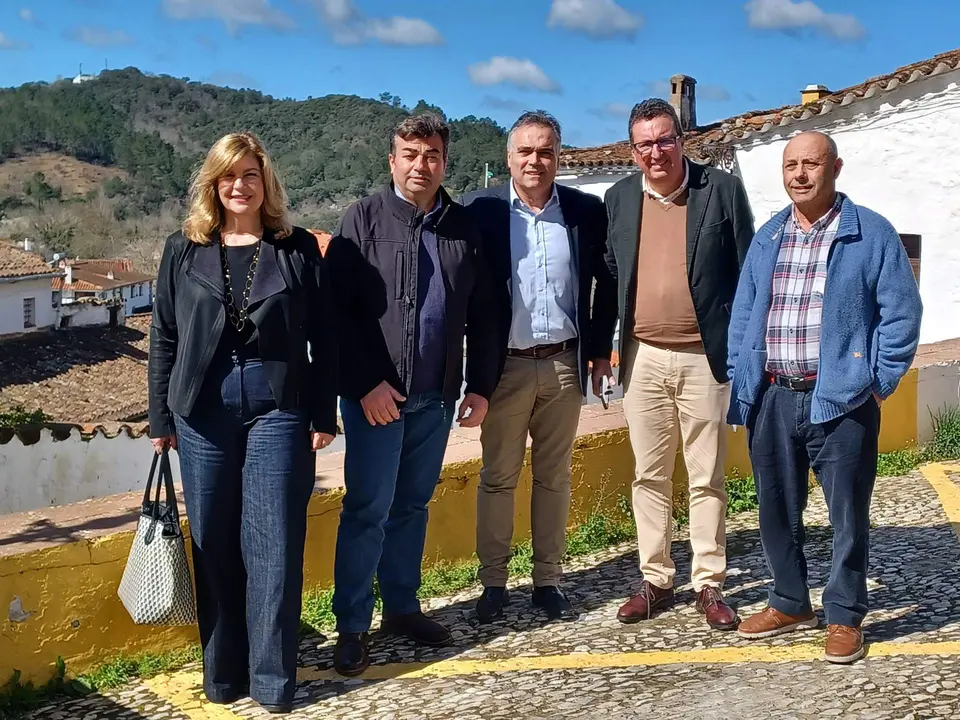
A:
(140, 137)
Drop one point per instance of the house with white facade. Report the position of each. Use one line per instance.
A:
(898, 137)
(105, 280)
(26, 297)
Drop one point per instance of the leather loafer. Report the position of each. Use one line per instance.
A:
(551, 599)
(351, 656)
(278, 708)
(491, 604)
(417, 627)
(719, 615)
(645, 604)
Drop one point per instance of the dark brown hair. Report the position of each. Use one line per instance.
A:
(421, 127)
(650, 109)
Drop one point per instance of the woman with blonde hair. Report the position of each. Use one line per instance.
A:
(243, 385)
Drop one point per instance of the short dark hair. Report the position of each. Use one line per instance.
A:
(536, 117)
(650, 109)
(421, 127)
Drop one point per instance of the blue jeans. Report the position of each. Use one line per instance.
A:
(247, 474)
(390, 473)
(784, 445)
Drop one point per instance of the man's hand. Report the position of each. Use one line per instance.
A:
(878, 399)
(170, 441)
(380, 404)
(318, 440)
(477, 406)
(601, 369)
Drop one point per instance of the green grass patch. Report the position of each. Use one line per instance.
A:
(122, 669)
(741, 493)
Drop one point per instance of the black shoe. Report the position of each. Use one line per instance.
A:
(351, 656)
(278, 709)
(552, 599)
(418, 627)
(491, 604)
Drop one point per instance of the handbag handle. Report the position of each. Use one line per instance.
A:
(164, 482)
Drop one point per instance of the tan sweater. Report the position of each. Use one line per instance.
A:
(663, 309)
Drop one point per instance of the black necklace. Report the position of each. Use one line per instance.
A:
(238, 316)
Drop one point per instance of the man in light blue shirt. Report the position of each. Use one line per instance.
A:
(544, 244)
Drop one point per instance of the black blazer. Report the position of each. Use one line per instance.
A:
(719, 231)
(586, 223)
(289, 305)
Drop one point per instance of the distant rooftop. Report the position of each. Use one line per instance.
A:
(17, 263)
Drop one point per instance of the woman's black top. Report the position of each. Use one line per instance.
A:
(245, 341)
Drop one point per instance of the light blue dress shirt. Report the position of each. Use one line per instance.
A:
(544, 275)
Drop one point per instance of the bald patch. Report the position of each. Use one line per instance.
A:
(817, 142)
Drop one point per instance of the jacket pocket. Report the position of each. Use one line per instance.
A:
(401, 276)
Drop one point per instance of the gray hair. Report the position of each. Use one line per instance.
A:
(650, 109)
(421, 127)
(540, 118)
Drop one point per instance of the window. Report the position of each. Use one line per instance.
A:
(911, 244)
(29, 313)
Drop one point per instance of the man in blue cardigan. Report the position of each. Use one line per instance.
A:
(825, 322)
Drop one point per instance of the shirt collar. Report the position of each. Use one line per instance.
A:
(668, 199)
(436, 206)
(515, 198)
(832, 214)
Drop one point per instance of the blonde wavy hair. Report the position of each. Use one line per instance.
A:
(206, 214)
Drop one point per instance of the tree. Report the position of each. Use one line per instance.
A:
(40, 190)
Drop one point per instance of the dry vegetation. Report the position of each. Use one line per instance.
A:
(74, 177)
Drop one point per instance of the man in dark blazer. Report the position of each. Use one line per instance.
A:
(678, 233)
(545, 246)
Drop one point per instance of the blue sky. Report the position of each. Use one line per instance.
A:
(587, 61)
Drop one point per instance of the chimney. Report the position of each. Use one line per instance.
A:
(683, 97)
(812, 93)
(68, 275)
(27, 245)
(109, 274)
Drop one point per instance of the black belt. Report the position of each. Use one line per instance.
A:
(797, 384)
(539, 352)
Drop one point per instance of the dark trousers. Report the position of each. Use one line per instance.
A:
(784, 445)
(247, 478)
(390, 473)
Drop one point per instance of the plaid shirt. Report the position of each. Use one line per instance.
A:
(799, 278)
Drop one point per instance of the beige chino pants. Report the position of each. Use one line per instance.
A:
(672, 396)
(541, 397)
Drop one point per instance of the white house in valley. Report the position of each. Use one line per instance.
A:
(26, 296)
(899, 137)
(108, 281)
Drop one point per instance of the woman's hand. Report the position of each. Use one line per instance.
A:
(170, 441)
(318, 441)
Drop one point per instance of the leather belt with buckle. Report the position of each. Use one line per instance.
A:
(539, 352)
(797, 384)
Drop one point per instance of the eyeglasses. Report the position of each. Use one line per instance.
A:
(665, 144)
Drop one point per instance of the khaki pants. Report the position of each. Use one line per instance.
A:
(544, 398)
(671, 395)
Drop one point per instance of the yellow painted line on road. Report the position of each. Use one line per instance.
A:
(585, 661)
(947, 490)
(184, 690)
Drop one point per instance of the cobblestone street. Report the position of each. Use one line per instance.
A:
(671, 666)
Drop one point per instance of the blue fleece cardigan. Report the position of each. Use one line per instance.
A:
(871, 316)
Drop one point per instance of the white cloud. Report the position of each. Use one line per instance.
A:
(233, 13)
(791, 15)
(98, 36)
(600, 19)
(659, 88)
(403, 31)
(512, 71)
(498, 103)
(350, 27)
(714, 93)
(612, 110)
(26, 14)
(10, 44)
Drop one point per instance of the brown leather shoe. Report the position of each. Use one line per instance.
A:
(844, 644)
(772, 622)
(719, 615)
(645, 603)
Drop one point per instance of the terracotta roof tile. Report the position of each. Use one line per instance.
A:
(80, 375)
(94, 275)
(704, 144)
(15, 263)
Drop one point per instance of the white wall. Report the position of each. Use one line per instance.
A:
(12, 295)
(86, 314)
(593, 184)
(902, 161)
(60, 472)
